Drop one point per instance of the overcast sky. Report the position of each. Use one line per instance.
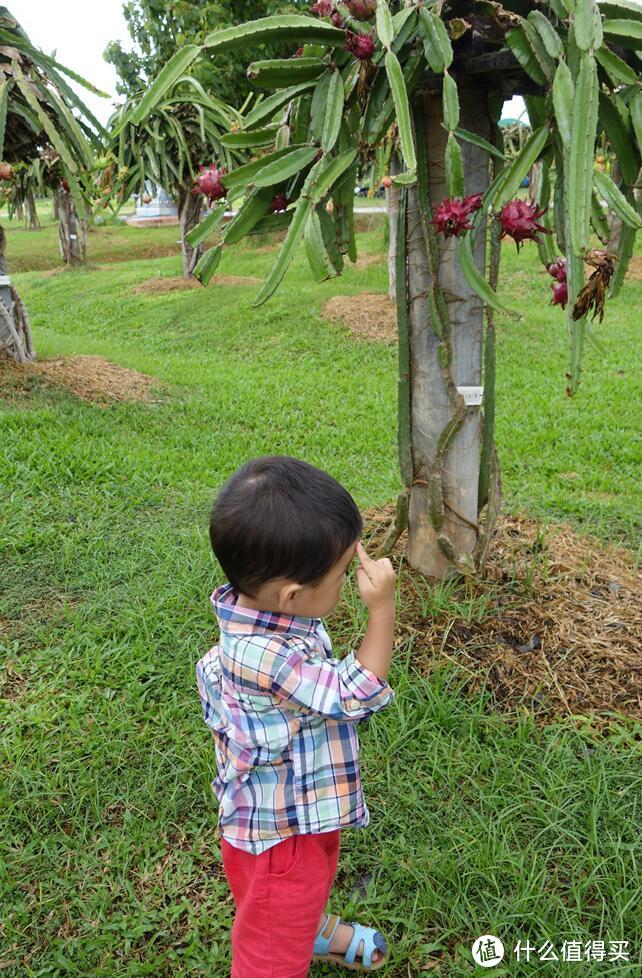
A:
(79, 31)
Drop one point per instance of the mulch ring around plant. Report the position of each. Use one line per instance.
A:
(176, 283)
(561, 633)
(88, 377)
(364, 259)
(634, 271)
(369, 315)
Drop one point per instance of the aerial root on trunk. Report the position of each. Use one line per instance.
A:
(398, 525)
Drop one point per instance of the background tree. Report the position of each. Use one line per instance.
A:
(167, 147)
(158, 29)
(19, 194)
(36, 105)
(442, 72)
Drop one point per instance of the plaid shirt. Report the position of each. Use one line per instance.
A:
(283, 714)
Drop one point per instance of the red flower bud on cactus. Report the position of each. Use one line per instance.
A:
(386, 182)
(451, 216)
(323, 8)
(557, 269)
(279, 203)
(361, 9)
(518, 219)
(208, 182)
(360, 45)
(560, 294)
(336, 19)
(6, 171)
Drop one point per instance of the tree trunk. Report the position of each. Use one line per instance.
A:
(445, 345)
(189, 213)
(33, 224)
(54, 207)
(15, 334)
(392, 203)
(72, 232)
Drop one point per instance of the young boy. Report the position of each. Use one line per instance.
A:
(283, 712)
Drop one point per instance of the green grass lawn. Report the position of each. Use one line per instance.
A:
(479, 824)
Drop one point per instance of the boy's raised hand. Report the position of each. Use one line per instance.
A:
(376, 579)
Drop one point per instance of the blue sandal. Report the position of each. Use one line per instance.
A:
(372, 939)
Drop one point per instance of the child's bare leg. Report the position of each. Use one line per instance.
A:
(342, 937)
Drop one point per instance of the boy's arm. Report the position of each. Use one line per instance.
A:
(345, 689)
(375, 652)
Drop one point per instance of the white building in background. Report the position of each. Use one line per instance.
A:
(161, 204)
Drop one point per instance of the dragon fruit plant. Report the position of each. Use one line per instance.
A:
(437, 75)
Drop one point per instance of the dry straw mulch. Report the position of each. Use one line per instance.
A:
(89, 378)
(176, 283)
(634, 271)
(562, 633)
(364, 260)
(370, 315)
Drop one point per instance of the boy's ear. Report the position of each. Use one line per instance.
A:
(287, 594)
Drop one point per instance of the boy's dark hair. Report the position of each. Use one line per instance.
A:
(278, 516)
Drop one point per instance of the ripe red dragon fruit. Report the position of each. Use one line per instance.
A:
(361, 9)
(323, 8)
(208, 182)
(360, 45)
(557, 269)
(451, 216)
(6, 171)
(65, 186)
(560, 294)
(279, 203)
(336, 19)
(386, 182)
(518, 219)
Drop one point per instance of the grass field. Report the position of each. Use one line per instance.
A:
(109, 863)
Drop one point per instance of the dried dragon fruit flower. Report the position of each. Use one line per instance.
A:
(451, 216)
(560, 294)
(208, 182)
(323, 8)
(594, 292)
(518, 219)
(279, 203)
(360, 45)
(557, 269)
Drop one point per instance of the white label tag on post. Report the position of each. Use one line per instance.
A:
(472, 395)
(73, 237)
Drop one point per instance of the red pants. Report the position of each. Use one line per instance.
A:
(280, 896)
